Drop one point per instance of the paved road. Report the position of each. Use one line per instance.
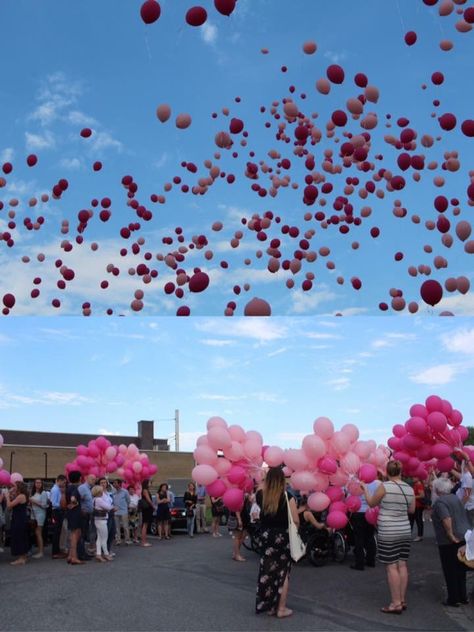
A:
(189, 584)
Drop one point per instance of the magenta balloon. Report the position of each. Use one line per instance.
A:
(318, 501)
(337, 520)
(335, 493)
(338, 505)
(237, 433)
(196, 16)
(353, 503)
(437, 421)
(204, 474)
(425, 452)
(274, 456)
(401, 456)
(233, 499)
(225, 7)
(111, 453)
(399, 430)
(81, 450)
(455, 418)
(101, 443)
(205, 455)
(5, 478)
(445, 465)
(216, 489)
(411, 443)
(418, 410)
(463, 433)
(111, 466)
(395, 443)
(93, 450)
(216, 421)
(219, 438)
(257, 307)
(153, 469)
(323, 427)
(434, 403)
(371, 515)
(441, 451)
(163, 112)
(314, 446)
(417, 426)
(367, 473)
(327, 465)
(236, 475)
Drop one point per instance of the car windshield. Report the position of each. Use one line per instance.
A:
(178, 502)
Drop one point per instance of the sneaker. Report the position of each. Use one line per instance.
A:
(37, 556)
(128, 542)
(112, 554)
(2, 550)
(417, 539)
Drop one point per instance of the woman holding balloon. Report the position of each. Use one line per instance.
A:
(275, 563)
(396, 500)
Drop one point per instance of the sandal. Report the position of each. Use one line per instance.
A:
(404, 605)
(389, 610)
(286, 612)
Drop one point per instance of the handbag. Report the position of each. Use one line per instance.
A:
(297, 546)
(189, 512)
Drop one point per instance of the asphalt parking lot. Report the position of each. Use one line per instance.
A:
(193, 584)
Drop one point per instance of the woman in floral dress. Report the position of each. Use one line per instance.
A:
(275, 562)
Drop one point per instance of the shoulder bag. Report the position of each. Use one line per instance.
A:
(297, 546)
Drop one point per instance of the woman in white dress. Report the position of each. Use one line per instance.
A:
(39, 505)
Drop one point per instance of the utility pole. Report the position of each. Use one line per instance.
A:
(176, 430)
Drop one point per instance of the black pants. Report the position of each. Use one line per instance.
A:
(417, 518)
(454, 572)
(58, 519)
(364, 550)
(85, 529)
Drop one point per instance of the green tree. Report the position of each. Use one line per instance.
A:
(470, 439)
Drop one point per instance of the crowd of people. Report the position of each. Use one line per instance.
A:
(92, 516)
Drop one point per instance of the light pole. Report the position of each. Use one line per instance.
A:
(176, 428)
(11, 460)
(45, 454)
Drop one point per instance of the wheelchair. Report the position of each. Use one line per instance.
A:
(321, 546)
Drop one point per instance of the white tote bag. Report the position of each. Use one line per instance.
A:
(297, 546)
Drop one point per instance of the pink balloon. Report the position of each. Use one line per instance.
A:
(296, 459)
(463, 433)
(395, 443)
(216, 421)
(371, 515)
(441, 451)
(340, 443)
(350, 463)
(321, 482)
(101, 443)
(401, 456)
(353, 503)
(418, 410)
(137, 467)
(163, 112)
(111, 466)
(204, 454)
(233, 499)
(121, 472)
(16, 477)
(252, 448)
(314, 446)
(318, 501)
(456, 418)
(351, 431)
(253, 435)
(335, 493)
(327, 465)
(5, 478)
(274, 456)
(153, 469)
(204, 474)
(202, 440)
(223, 466)
(81, 450)
(339, 478)
(362, 449)
(92, 449)
(353, 487)
(237, 433)
(111, 453)
(399, 430)
(216, 489)
(132, 450)
(416, 426)
(235, 452)
(236, 475)
(410, 442)
(219, 438)
(434, 404)
(120, 460)
(323, 427)
(445, 465)
(304, 481)
(337, 520)
(437, 421)
(367, 473)
(338, 505)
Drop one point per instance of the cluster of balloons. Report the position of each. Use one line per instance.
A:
(428, 438)
(463, 24)
(5, 477)
(229, 461)
(335, 167)
(100, 458)
(150, 11)
(328, 463)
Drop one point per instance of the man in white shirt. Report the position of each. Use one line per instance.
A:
(465, 494)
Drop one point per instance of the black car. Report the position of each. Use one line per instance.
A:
(178, 517)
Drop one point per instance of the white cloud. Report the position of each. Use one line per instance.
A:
(72, 399)
(352, 311)
(440, 374)
(79, 118)
(162, 160)
(262, 329)
(7, 154)
(105, 140)
(70, 163)
(335, 56)
(460, 305)
(321, 335)
(220, 398)
(460, 341)
(277, 352)
(39, 141)
(209, 33)
(106, 431)
(304, 302)
(187, 440)
(216, 342)
(126, 359)
(339, 383)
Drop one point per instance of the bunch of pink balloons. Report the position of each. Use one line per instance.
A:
(5, 477)
(229, 461)
(428, 438)
(101, 458)
(328, 463)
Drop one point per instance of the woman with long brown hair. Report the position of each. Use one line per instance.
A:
(17, 502)
(39, 505)
(275, 562)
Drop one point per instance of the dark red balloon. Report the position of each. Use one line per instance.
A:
(447, 121)
(410, 38)
(431, 292)
(441, 203)
(196, 16)
(236, 126)
(361, 80)
(339, 118)
(183, 311)
(86, 132)
(437, 78)
(198, 282)
(225, 7)
(335, 73)
(9, 300)
(31, 160)
(150, 11)
(469, 15)
(467, 127)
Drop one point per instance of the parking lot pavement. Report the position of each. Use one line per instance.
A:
(193, 584)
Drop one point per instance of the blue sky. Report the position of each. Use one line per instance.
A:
(70, 65)
(272, 375)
